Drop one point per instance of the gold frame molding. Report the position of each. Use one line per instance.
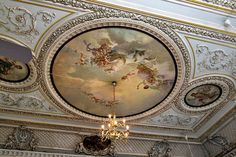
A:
(181, 58)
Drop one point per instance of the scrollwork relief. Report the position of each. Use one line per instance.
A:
(171, 118)
(20, 21)
(215, 60)
(220, 141)
(93, 145)
(160, 149)
(22, 138)
(24, 102)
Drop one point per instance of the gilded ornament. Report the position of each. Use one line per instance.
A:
(20, 21)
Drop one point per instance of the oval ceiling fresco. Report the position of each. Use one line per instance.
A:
(12, 71)
(203, 95)
(84, 68)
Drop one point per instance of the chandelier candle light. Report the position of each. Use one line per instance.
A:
(114, 129)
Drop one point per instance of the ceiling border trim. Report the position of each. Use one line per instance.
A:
(224, 119)
(47, 6)
(223, 3)
(20, 153)
(228, 152)
(82, 130)
(217, 5)
(171, 22)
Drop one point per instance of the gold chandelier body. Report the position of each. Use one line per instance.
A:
(114, 129)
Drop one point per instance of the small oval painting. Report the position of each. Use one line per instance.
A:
(85, 67)
(12, 71)
(202, 95)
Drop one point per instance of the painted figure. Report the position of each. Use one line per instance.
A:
(6, 65)
(203, 95)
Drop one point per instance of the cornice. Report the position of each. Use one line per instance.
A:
(39, 3)
(94, 131)
(19, 153)
(226, 6)
(103, 7)
(231, 4)
(229, 152)
(226, 117)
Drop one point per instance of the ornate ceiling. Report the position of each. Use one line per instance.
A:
(175, 73)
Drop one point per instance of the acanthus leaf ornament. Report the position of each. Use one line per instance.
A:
(160, 149)
(176, 120)
(20, 21)
(22, 138)
(215, 60)
(30, 103)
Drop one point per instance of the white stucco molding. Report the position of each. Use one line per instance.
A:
(19, 153)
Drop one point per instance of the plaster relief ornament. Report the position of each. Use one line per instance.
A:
(174, 120)
(7, 100)
(22, 138)
(94, 145)
(12, 71)
(84, 68)
(216, 60)
(20, 21)
(220, 141)
(160, 149)
(203, 95)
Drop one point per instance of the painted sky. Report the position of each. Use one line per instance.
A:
(74, 81)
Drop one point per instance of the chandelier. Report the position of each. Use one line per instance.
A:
(114, 129)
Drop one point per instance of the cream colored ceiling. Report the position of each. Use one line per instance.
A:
(196, 50)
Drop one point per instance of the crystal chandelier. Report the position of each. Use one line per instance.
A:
(114, 129)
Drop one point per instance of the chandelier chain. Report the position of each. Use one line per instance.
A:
(114, 129)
